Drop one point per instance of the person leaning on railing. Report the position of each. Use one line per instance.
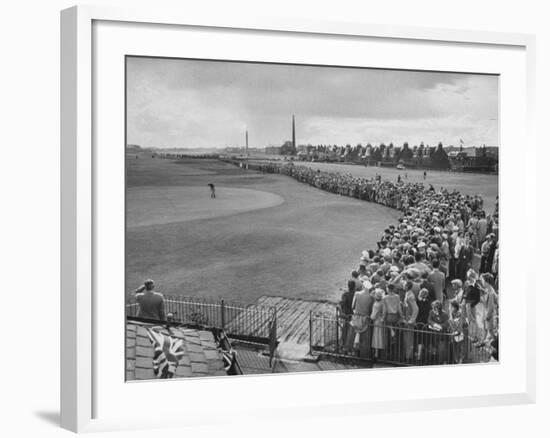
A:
(410, 314)
(457, 324)
(424, 308)
(378, 316)
(438, 323)
(394, 311)
(151, 303)
(362, 306)
(346, 312)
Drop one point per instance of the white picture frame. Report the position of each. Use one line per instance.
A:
(82, 370)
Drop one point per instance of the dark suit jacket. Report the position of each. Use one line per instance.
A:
(424, 309)
(345, 303)
(472, 294)
(466, 254)
(431, 289)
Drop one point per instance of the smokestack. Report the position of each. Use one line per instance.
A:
(293, 133)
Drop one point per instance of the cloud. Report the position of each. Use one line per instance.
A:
(191, 103)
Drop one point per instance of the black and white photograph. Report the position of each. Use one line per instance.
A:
(287, 218)
(275, 219)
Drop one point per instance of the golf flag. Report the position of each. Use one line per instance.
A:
(167, 354)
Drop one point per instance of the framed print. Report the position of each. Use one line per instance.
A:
(263, 208)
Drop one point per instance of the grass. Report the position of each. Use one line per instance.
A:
(304, 247)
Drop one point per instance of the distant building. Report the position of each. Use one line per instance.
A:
(288, 148)
(241, 150)
(234, 150)
(474, 159)
(273, 150)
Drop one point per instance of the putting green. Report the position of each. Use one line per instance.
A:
(169, 204)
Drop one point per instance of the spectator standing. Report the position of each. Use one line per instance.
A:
(465, 258)
(419, 260)
(437, 278)
(488, 248)
(356, 280)
(346, 312)
(429, 286)
(457, 293)
(424, 308)
(472, 297)
(378, 316)
(438, 322)
(410, 313)
(492, 305)
(456, 327)
(445, 256)
(151, 303)
(361, 307)
(481, 227)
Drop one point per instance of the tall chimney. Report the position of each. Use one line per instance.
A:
(293, 134)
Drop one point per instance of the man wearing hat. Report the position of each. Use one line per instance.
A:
(151, 303)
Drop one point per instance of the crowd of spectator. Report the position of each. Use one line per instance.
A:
(434, 271)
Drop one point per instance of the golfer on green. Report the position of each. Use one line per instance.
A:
(212, 190)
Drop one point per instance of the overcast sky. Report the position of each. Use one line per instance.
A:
(184, 103)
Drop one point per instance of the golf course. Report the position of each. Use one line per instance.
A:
(261, 235)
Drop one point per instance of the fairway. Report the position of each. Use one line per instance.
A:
(263, 235)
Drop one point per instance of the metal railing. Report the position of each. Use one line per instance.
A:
(398, 344)
(254, 322)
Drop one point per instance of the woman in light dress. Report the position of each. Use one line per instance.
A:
(492, 306)
(480, 317)
(378, 317)
(487, 308)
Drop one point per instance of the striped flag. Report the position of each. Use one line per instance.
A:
(167, 354)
